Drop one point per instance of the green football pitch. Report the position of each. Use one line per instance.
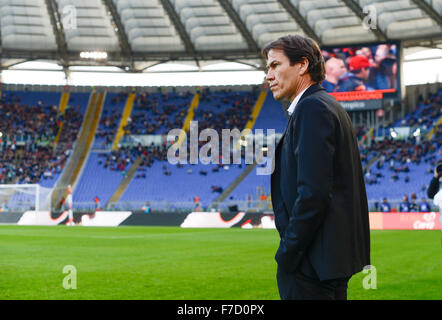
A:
(171, 263)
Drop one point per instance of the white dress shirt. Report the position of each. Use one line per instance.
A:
(295, 101)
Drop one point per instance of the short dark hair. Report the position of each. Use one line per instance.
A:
(296, 48)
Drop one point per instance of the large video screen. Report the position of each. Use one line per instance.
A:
(366, 68)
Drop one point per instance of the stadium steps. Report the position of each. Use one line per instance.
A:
(124, 183)
(81, 148)
(223, 196)
(255, 113)
(126, 113)
(62, 108)
(435, 128)
(256, 110)
(189, 117)
(370, 163)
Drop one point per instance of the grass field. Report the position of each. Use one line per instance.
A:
(173, 263)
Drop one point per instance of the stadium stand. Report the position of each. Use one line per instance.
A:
(271, 116)
(112, 112)
(406, 164)
(31, 123)
(30, 153)
(156, 108)
(36, 138)
(158, 113)
(410, 160)
(216, 110)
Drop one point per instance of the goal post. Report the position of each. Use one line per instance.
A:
(19, 197)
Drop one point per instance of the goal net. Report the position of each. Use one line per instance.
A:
(24, 197)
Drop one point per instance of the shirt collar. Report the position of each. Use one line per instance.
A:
(291, 109)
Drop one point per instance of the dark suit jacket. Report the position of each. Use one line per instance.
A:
(318, 190)
(433, 188)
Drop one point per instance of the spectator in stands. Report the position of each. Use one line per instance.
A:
(218, 189)
(424, 206)
(3, 207)
(146, 208)
(385, 206)
(413, 206)
(383, 71)
(334, 69)
(379, 164)
(356, 79)
(263, 197)
(97, 203)
(404, 205)
(198, 207)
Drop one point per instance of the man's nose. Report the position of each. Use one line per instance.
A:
(269, 76)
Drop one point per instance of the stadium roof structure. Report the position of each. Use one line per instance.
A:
(138, 34)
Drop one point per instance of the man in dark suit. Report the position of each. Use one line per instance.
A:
(317, 184)
(433, 188)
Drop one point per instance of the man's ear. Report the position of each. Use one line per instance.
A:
(303, 66)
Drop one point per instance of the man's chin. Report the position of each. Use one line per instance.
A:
(276, 96)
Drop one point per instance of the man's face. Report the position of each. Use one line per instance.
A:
(366, 52)
(283, 78)
(365, 73)
(341, 69)
(381, 52)
(335, 67)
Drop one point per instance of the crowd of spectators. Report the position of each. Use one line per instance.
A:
(233, 110)
(427, 114)
(25, 123)
(110, 120)
(122, 158)
(71, 120)
(29, 151)
(360, 68)
(158, 113)
(28, 148)
(405, 205)
(397, 155)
